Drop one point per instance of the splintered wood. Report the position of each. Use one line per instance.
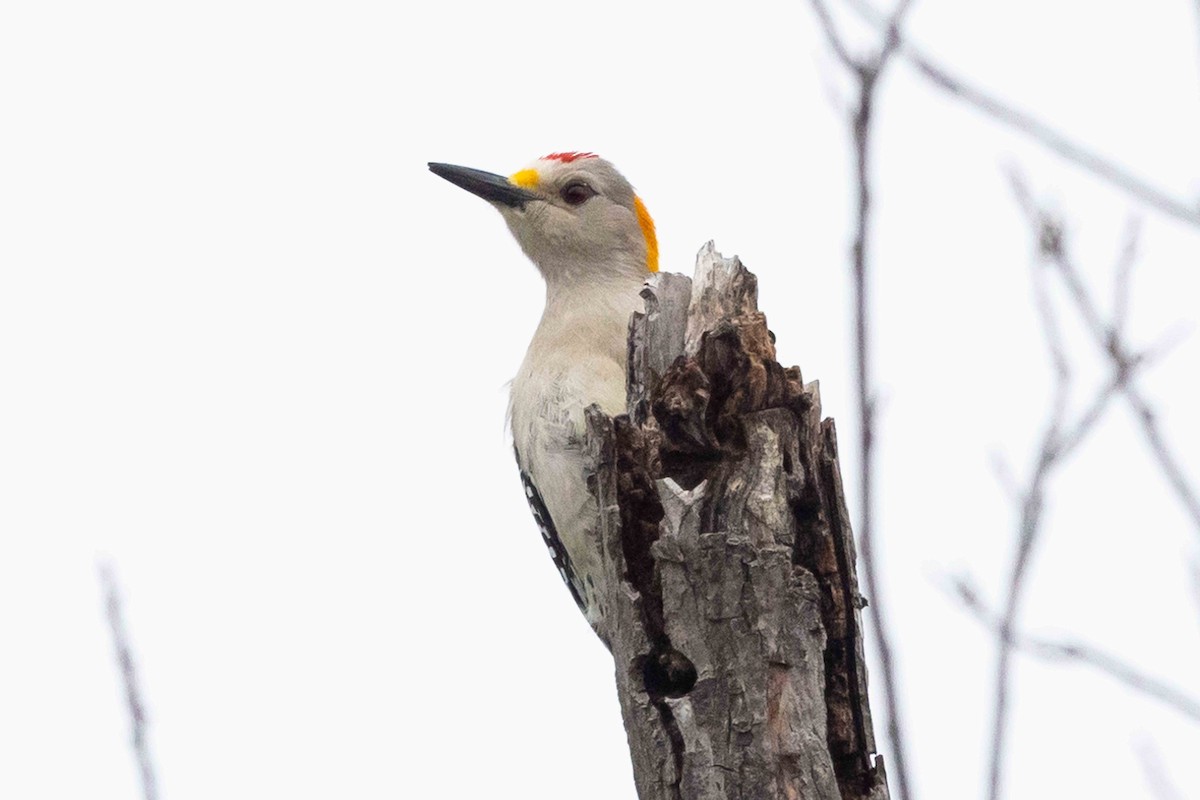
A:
(734, 615)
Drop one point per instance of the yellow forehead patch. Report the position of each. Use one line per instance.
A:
(526, 178)
(647, 226)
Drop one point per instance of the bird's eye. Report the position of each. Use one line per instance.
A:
(576, 193)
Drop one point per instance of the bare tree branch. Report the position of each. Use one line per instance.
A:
(1194, 572)
(1003, 472)
(1060, 438)
(1197, 23)
(1073, 436)
(1032, 504)
(1171, 469)
(892, 38)
(1108, 337)
(868, 72)
(1030, 126)
(1124, 269)
(1120, 671)
(1155, 771)
(1062, 434)
(1047, 649)
(833, 38)
(133, 694)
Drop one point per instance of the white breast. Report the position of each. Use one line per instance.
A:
(577, 357)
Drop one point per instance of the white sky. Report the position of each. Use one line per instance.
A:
(253, 351)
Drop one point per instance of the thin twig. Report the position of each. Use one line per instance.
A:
(1047, 649)
(1120, 671)
(1155, 772)
(1171, 469)
(1197, 24)
(133, 694)
(892, 39)
(1194, 574)
(1049, 455)
(1108, 337)
(832, 36)
(1059, 440)
(868, 72)
(1124, 269)
(1034, 128)
(1074, 435)
(1003, 473)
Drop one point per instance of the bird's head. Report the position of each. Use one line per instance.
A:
(573, 214)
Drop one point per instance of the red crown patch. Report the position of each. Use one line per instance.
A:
(567, 158)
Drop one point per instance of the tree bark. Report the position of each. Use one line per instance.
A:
(734, 611)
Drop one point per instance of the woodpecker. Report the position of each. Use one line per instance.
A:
(581, 224)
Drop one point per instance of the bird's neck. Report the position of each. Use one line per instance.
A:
(577, 357)
(591, 311)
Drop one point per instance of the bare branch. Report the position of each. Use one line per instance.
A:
(1194, 572)
(1170, 339)
(1171, 469)
(1155, 771)
(1003, 472)
(1123, 271)
(1054, 343)
(1075, 434)
(833, 37)
(1108, 338)
(1120, 671)
(868, 73)
(1197, 21)
(1059, 439)
(133, 694)
(1071, 436)
(1047, 649)
(1121, 379)
(1035, 129)
(891, 39)
(1032, 506)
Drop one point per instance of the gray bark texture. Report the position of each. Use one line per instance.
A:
(734, 612)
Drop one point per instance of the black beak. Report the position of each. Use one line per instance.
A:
(493, 188)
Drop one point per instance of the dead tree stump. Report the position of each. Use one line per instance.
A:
(734, 611)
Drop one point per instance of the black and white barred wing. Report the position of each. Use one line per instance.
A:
(558, 552)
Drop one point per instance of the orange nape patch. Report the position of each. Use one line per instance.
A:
(526, 178)
(567, 158)
(647, 226)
